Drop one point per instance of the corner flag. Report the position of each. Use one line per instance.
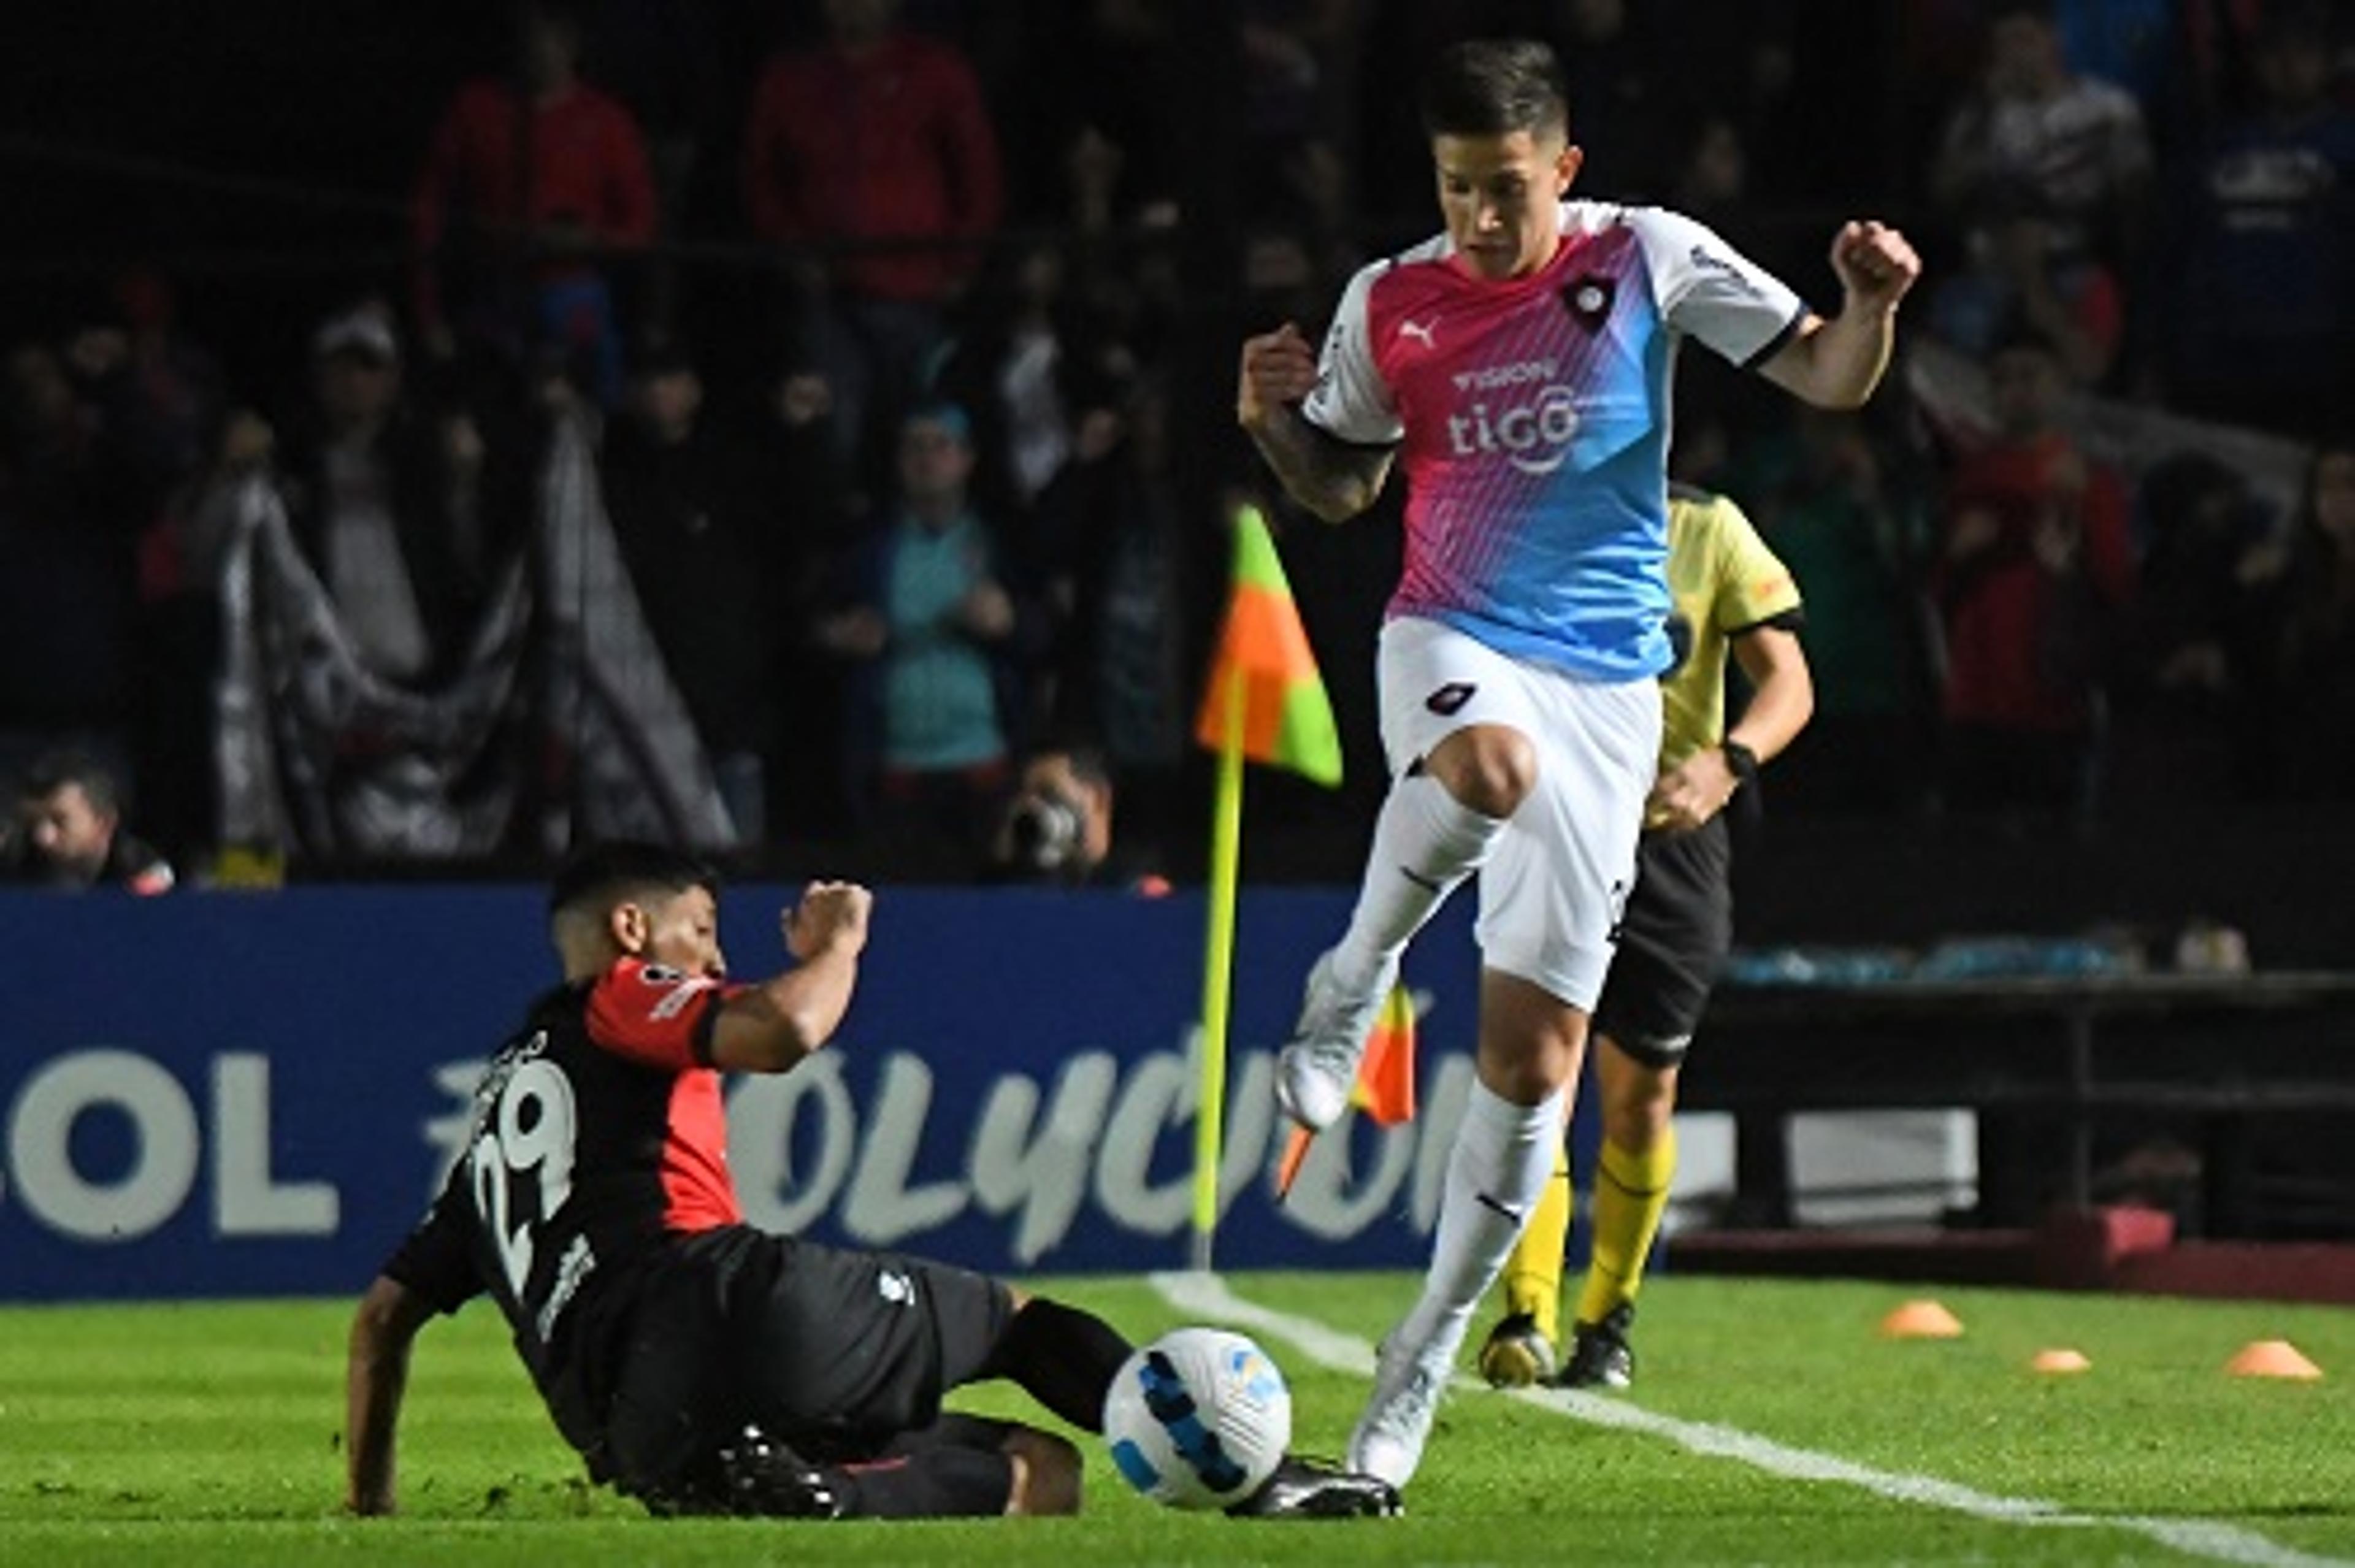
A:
(1265, 702)
(1287, 720)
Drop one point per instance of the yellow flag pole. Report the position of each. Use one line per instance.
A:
(1217, 969)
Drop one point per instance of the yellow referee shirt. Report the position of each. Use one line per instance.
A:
(1723, 579)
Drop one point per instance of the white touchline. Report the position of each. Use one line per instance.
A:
(1207, 1295)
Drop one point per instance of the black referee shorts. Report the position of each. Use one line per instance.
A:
(842, 1354)
(1672, 940)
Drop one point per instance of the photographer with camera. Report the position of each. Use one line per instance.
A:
(1056, 829)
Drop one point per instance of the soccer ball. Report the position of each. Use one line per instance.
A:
(1198, 1418)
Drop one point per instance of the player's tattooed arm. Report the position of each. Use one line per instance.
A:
(1330, 477)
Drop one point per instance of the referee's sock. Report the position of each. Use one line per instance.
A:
(1631, 1194)
(1064, 1358)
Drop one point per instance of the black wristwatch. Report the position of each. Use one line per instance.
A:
(1741, 759)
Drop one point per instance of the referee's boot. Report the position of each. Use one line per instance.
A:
(1600, 1356)
(1319, 1067)
(1515, 1354)
(1306, 1488)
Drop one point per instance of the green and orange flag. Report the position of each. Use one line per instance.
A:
(1287, 721)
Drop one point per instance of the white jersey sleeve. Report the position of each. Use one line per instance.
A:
(1709, 291)
(1350, 400)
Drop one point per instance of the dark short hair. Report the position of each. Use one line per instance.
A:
(52, 771)
(609, 873)
(1493, 87)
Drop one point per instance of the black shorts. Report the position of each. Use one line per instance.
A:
(1672, 940)
(844, 1355)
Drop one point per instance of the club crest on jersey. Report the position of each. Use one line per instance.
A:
(1588, 300)
(1449, 700)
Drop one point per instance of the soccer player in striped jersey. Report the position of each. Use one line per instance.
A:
(1732, 597)
(1519, 366)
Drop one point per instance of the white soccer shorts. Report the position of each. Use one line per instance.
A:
(1552, 893)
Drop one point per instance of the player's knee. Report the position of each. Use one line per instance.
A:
(1527, 1074)
(1046, 1473)
(1488, 768)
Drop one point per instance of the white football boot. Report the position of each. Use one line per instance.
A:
(1316, 1070)
(1388, 1437)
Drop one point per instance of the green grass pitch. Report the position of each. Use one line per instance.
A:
(190, 1435)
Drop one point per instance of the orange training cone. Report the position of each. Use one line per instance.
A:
(1921, 1320)
(2271, 1358)
(2059, 1360)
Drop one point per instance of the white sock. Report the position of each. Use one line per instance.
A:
(1425, 843)
(1496, 1173)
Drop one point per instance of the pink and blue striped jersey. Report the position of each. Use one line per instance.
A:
(1533, 420)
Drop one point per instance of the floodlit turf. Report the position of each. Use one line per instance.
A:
(202, 1434)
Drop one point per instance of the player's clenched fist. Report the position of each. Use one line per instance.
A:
(831, 916)
(1279, 368)
(1875, 264)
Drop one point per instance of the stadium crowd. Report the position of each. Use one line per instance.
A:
(824, 401)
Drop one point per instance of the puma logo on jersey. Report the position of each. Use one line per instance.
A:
(1420, 331)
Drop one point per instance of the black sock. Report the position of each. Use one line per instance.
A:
(1065, 1359)
(939, 1483)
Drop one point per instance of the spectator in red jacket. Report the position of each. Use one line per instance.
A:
(873, 160)
(531, 184)
(2036, 566)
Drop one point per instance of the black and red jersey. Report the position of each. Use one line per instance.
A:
(598, 1134)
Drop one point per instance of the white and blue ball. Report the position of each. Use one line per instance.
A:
(1198, 1418)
